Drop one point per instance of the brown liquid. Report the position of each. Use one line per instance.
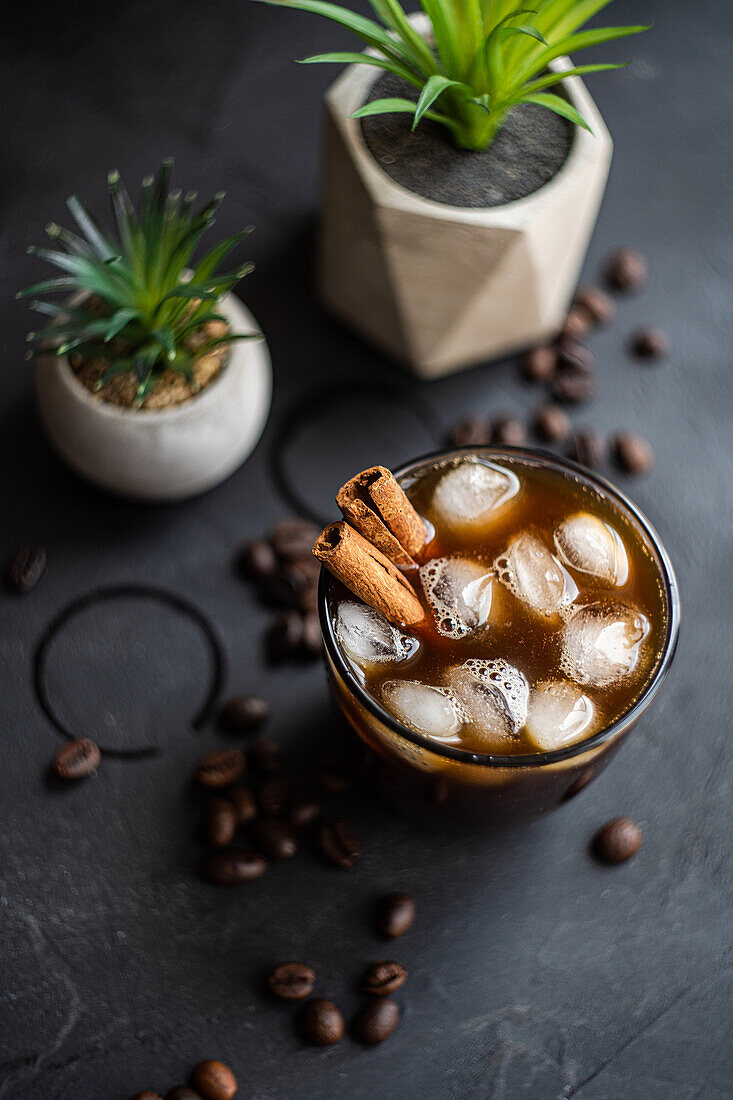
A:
(527, 639)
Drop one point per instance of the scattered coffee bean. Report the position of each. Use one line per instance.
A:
(339, 844)
(232, 867)
(395, 915)
(650, 343)
(214, 1080)
(474, 431)
(220, 768)
(76, 759)
(633, 453)
(539, 364)
(571, 386)
(182, 1092)
(293, 538)
(291, 981)
(274, 795)
(285, 636)
(598, 304)
(377, 1020)
(552, 424)
(244, 804)
(274, 837)
(333, 776)
(572, 355)
(242, 714)
(258, 560)
(265, 755)
(25, 568)
(312, 639)
(383, 978)
(578, 323)
(580, 783)
(510, 430)
(147, 1094)
(589, 448)
(618, 840)
(627, 270)
(322, 1022)
(220, 822)
(303, 811)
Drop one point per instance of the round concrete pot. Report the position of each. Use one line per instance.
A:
(437, 286)
(162, 454)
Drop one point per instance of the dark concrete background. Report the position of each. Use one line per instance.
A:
(534, 972)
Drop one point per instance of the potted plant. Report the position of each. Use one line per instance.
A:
(152, 379)
(464, 167)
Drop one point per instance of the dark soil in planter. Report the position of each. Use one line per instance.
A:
(532, 146)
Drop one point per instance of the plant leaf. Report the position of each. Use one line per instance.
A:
(385, 107)
(433, 89)
(559, 105)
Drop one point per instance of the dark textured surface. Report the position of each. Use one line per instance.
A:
(529, 150)
(534, 972)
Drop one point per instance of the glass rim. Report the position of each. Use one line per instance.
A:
(524, 760)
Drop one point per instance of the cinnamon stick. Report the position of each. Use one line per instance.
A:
(374, 503)
(368, 574)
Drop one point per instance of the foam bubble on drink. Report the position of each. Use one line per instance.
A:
(433, 711)
(369, 638)
(493, 695)
(602, 642)
(592, 546)
(459, 593)
(530, 571)
(558, 714)
(468, 495)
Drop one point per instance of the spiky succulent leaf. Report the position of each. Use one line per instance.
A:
(141, 296)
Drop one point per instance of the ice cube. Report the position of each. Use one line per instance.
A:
(529, 570)
(493, 695)
(468, 495)
(590, 545)
(426, 709)
(369, 638)
(602, 642)
(459, 593)
(558, 714)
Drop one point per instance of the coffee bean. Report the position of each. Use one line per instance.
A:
(274, 837)
(650, 343)
(291, 981)
(181, 1092)
(333, 776)
(633, 453)
(377, 1020)
(474, 431)
(338, 843)
(258, 560)
(598, 304)
(303, 811)
(285, 636)
(573, 386)
(244, 804)
(395, 915)
(627, 270)
(618, 840)
(25, 568)
(510, 430)
(77, 759)
(147, 1094)
(242, 714)
(220, 822)
(232, 867)
(580, 783)
(308, 602)
(589, 448)
(539, 364)
(552, 424)
(572, 355)
(322, 1022)
(293, 538)
(274, 795)
(265, 755)
(214, 1080)
(578, 323)
(312, 639)
(220, 768)
(383, 978)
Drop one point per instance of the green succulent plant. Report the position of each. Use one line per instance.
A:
(138, 299)
(483, 57)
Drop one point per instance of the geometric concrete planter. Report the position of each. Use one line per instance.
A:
(437, 286)
(162, 454)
